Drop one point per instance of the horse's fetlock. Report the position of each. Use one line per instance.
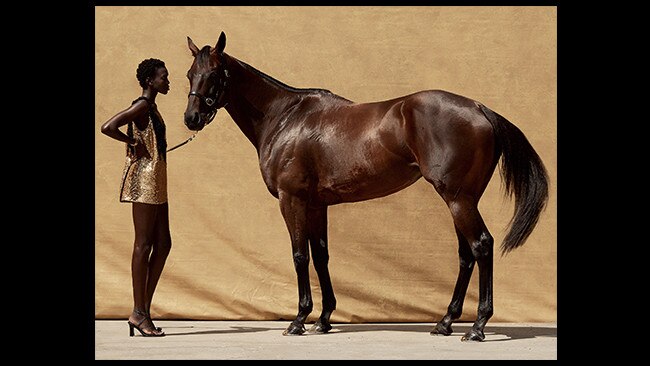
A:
(305, 307)
(485, 311)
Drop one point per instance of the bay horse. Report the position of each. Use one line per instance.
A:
(318, 149)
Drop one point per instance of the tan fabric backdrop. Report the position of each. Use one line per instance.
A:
(391, 259)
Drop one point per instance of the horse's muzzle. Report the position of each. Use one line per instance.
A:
(194, 121)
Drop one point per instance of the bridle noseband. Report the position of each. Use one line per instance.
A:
(214, 103)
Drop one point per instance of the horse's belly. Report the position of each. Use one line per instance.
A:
(361, 184)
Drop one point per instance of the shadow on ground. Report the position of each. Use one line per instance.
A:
(192, 330)
(511, 332)
(520, 332)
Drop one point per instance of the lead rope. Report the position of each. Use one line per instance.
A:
(183, 143)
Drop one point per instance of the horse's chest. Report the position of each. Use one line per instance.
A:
(269, 178)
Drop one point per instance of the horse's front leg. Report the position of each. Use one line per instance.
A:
(294, 211)
(317, 221)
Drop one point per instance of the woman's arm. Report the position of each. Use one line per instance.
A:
(135, 112)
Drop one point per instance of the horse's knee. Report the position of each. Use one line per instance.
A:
(482, 247)
(300, 261)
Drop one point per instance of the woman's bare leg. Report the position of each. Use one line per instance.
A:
(144, 219)
(161, 247)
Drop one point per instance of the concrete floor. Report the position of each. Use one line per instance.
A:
(246, 340)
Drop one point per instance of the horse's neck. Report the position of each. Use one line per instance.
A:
(254, 101)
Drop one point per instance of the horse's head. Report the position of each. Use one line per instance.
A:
(207, 76)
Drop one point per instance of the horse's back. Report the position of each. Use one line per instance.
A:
(442, 107)
(439, 113)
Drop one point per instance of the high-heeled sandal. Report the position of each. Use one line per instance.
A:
(154, 325)
(137, 326)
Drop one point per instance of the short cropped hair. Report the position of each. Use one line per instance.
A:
(147, 69)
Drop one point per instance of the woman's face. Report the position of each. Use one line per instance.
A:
(160, 82)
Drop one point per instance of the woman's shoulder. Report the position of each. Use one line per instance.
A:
(141, 107)
(143, 101)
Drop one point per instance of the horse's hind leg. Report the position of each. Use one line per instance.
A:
(469, 223)
(318, 242)
(455, 308)
(459, 165)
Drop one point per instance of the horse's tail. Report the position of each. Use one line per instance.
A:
(523, 174)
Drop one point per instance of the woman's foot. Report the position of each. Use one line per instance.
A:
(148, 312)
(142, 322)
(152, 324)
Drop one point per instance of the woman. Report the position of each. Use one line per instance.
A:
(144, 183)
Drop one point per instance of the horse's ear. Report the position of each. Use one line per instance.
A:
(192, 46)
(221, 44)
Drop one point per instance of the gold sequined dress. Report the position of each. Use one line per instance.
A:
(145, 179)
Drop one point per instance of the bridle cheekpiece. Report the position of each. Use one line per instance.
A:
(214, 102)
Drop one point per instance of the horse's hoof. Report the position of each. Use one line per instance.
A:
(294, 329)
(473, 335)
(441, 330)
(319, 327)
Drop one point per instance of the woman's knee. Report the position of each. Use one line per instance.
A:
(142, 247)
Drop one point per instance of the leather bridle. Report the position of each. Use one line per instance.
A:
(214, 101)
